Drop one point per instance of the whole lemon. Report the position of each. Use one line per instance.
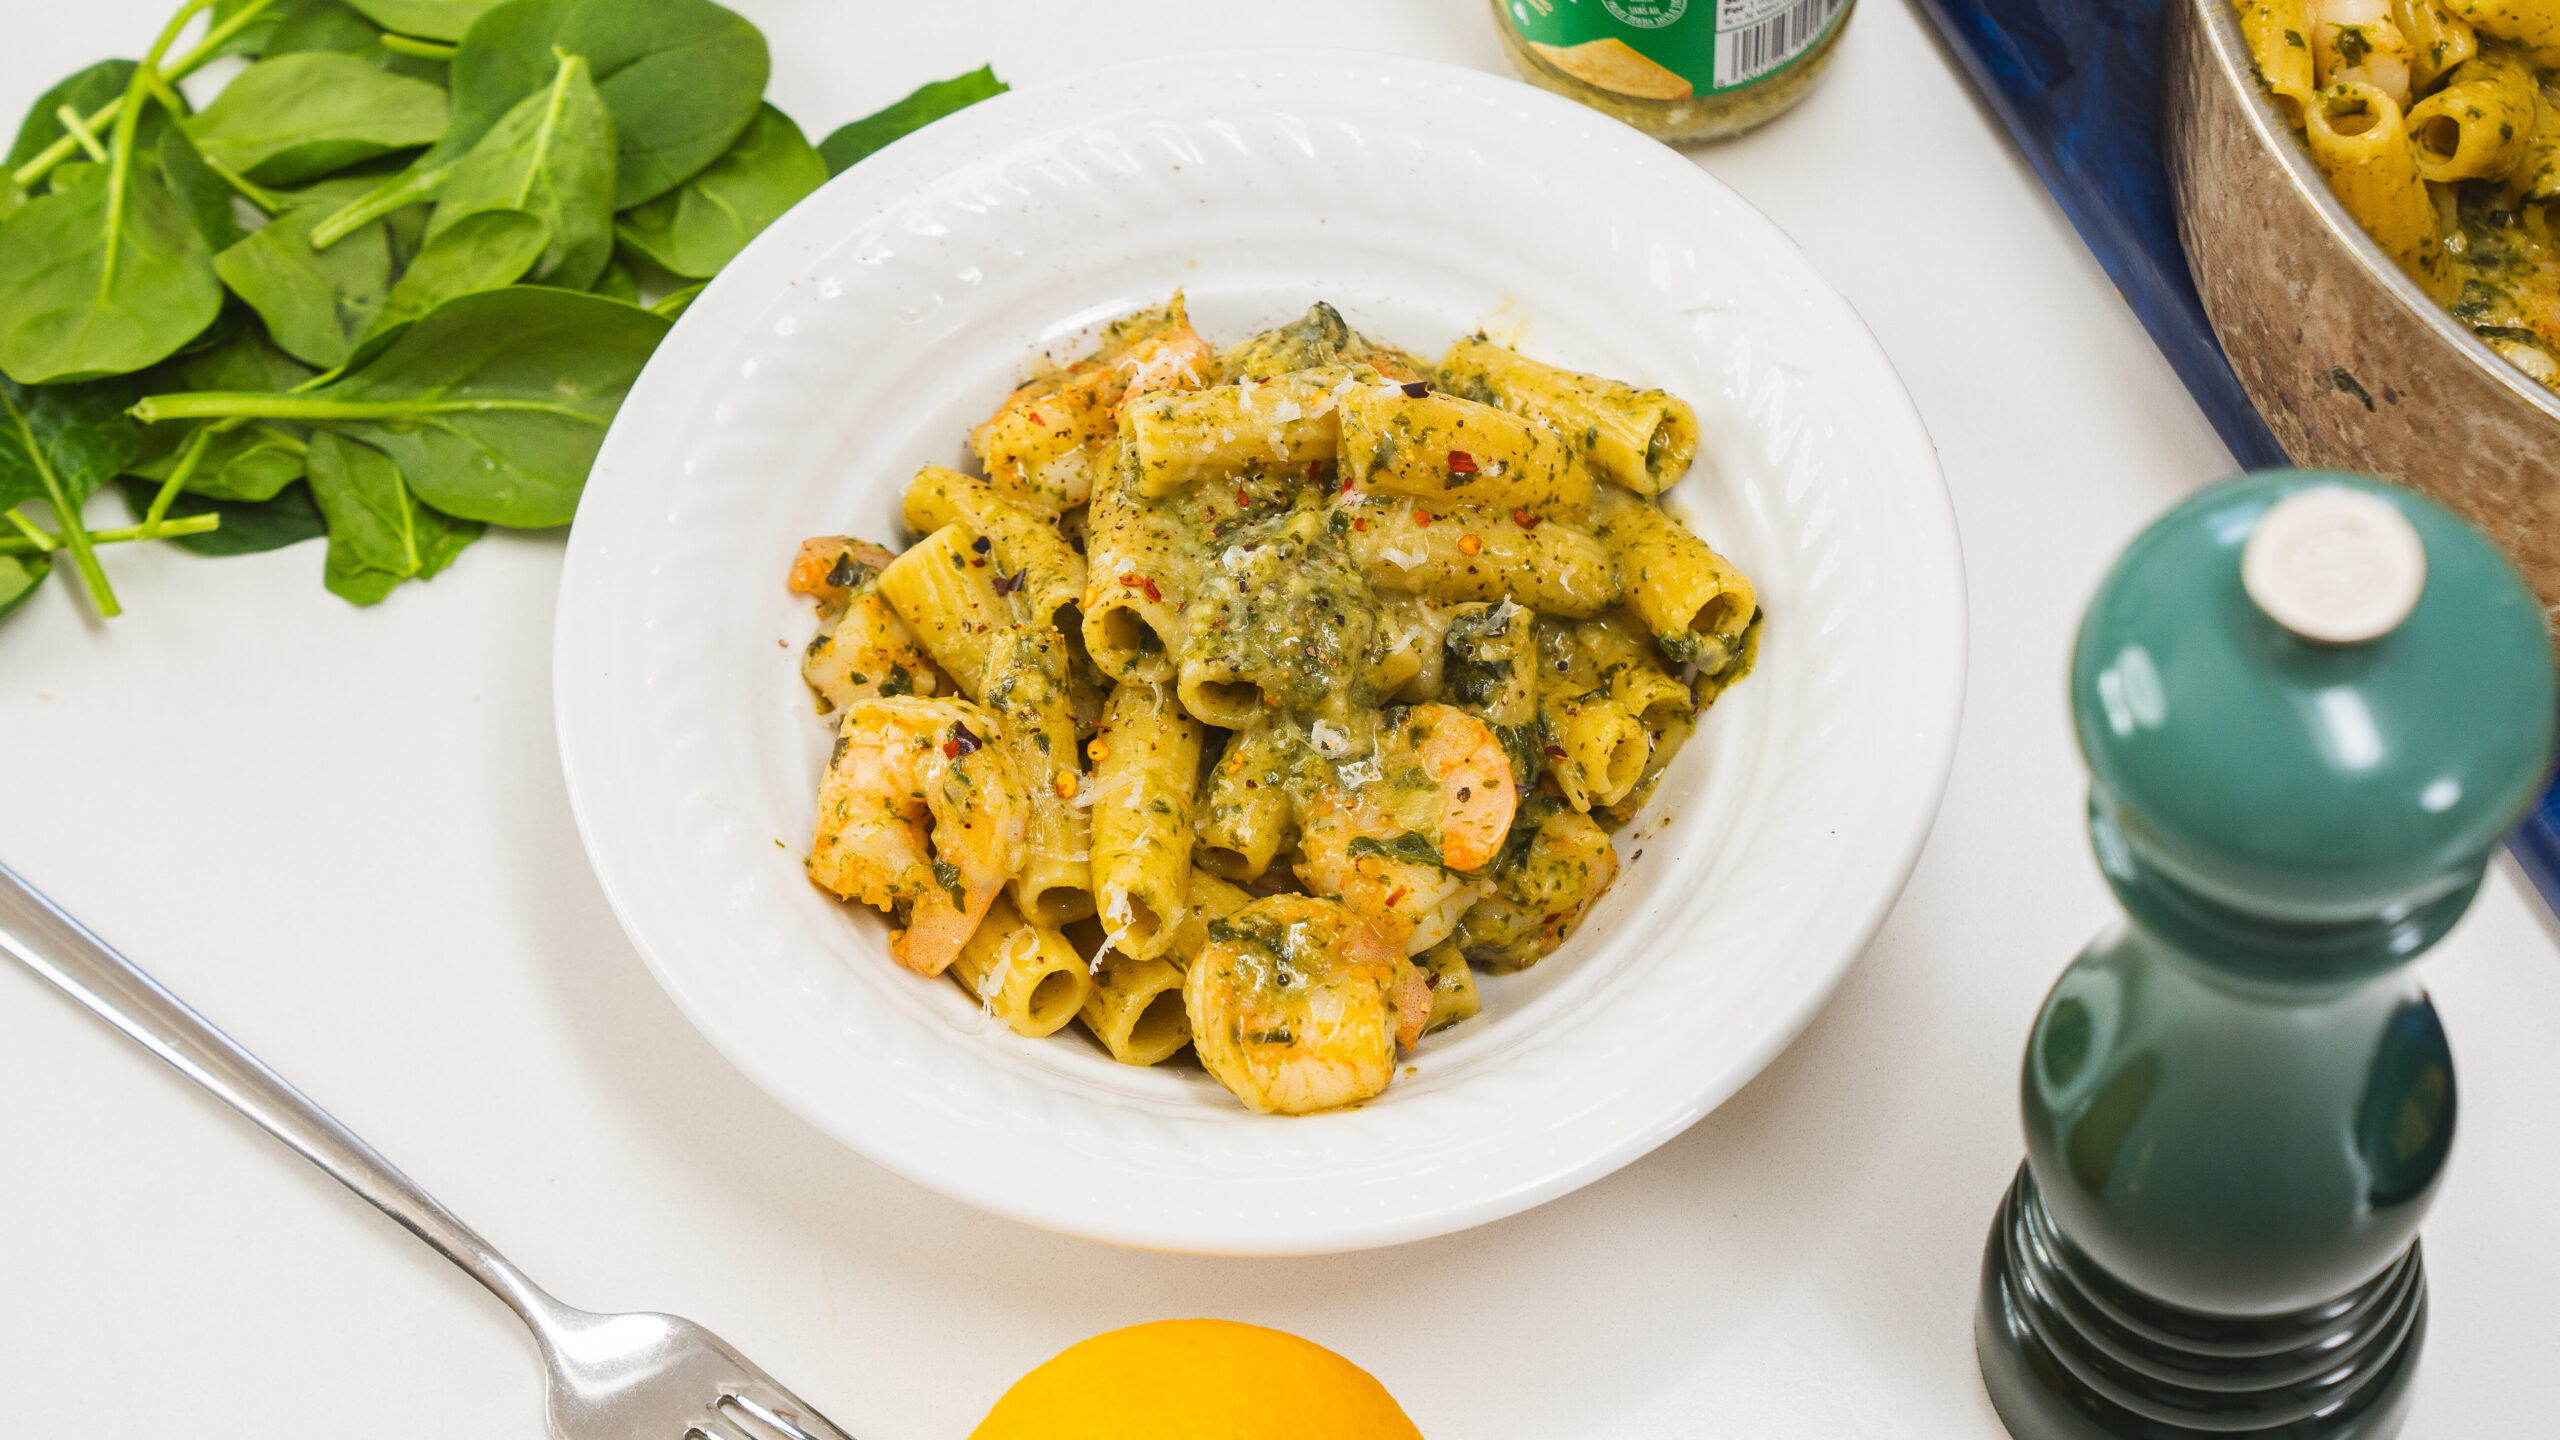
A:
(1196, 1380)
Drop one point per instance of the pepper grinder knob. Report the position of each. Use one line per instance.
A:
(2312, 704)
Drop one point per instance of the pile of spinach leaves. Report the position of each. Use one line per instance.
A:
(389, 286)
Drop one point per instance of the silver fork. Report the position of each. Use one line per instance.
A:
(612, 1377)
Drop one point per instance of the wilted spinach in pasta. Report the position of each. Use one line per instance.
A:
(1285, 683)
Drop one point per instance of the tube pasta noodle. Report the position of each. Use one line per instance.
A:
(1453, 986)
(1286, 423)
(1146, 768)
(1595, 746)
(1137, 569)
(1031, 558)
(1407, 440)
(1017, 667)
(1696, 603)
(2438, 41)
(1246, 816)
(2362, 145)
(2436, 128)
(1643, 440)
(2533, 25)
(2278, 33)
(1026, 975)
(1545, 564)
(2480, 125)
(1285, 616)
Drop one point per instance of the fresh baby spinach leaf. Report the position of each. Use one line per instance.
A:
(316, 303)
(379, 535)
(928, 104)
(552, 156)
(482, 251)
(19, 577)
(104, 275)
(201, 191)
(702, 224)
(618, 282)
(494, 405)
(434, 19)
(306, 25)
(676, 304)
(300, 116)
(683, 78)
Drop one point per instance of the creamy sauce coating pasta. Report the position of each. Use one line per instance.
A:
(1282, 684)
(2437, 123)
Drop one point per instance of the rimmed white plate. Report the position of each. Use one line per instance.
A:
(863, 335)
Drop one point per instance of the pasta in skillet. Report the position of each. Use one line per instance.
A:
(1256, 698)
(2437, 123)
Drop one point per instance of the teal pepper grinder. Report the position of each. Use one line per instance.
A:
(2312, 705)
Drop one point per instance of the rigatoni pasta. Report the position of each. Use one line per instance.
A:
(2435, 123)
(1392, 644)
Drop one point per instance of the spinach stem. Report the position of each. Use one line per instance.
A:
(403, 191)
(79, 130)
(256, 405)
(423, 49)
(265, 200)
(43, 544)
(33, 531)
(181, 473)
(146, 77)
(195, 59)
(67, 515)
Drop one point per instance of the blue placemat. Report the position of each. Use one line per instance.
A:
(2077, 84)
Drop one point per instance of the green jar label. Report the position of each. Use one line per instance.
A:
(1672, 49)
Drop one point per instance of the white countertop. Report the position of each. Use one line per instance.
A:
(342, 835)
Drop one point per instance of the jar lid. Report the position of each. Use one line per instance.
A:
(2311, 698)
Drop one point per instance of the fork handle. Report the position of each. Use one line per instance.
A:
(42, 936)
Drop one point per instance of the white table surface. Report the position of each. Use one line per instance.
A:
(342, 834)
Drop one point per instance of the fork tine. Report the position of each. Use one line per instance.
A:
(711, 1428)
(784, 1413)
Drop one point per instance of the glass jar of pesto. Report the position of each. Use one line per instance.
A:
(1675, 69)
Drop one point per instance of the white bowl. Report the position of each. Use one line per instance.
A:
(862, 336)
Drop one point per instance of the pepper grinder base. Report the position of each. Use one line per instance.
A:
(2068, 1352)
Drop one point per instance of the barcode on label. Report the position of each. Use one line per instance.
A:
(1743, 55)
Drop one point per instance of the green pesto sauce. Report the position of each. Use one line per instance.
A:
(1285, 604)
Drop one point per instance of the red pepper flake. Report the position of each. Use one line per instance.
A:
(1469, 544)
(1421, 516)
(1007, 584)
(1315, 469)
(1416, 389)
(1397, 894)
(1360, 525)
(1036, 420)
(1141, 582)
(1346, 484)
(1527, 521)
(1461, 463)
(1555, 752)
(962, 742)
(1242, 499)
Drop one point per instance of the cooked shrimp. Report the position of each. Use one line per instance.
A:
(897, 764)
(830, 567)
(2360, 40)
(1440, 803)
(866, 651)
(1046, 447)
(1297, 1005)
